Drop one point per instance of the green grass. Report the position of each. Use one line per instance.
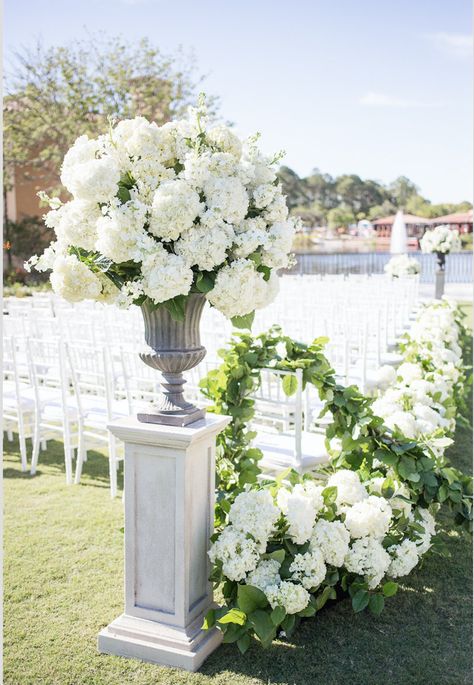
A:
(63, 583)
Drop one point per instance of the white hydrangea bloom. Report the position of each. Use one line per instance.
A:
(349, 488)
(238, 553)
(165, 275)
(309, 569)
(255, 513)
(121, 233)
(227, 196)
(429, 524)
(332, 539)
(266, 574)
(199, 166)
(371, 516)
(300, 510)
(250, 235)
(405, 557)
(110, 292)
(129, 292)
(240, 288)
(367, 557)
(402, 422)
(225, 139)
(144, 140)
(409, 372)
(205, 247)
(75, 223)
(265, 194)
(175, 207)
(293, 598)
(73, 280)
(277, 211)
(87, 176)
(278, 244)
(386, 376)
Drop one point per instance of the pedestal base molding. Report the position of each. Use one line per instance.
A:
(158, 643)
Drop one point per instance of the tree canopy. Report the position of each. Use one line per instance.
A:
(55, 94)
(337, 201)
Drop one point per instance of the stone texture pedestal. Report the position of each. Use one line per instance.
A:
(169, 512)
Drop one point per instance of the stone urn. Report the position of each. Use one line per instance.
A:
(175, 346)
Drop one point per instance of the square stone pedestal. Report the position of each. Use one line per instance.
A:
(169, 514)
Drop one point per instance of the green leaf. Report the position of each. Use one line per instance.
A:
(289, 384)
(262, 624)
(329, 495)
(250, 598)
(176, 307)
(209, 620)
(123, 194)
(243, 643)
(376, 604)
(390, 588)
(234, 616)
(243, 321)
(278, 555)
(205, 281)
(288, 624)
(278, 615)
(310, 610)
(360, 600)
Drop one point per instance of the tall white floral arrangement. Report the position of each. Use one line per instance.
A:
(159, 212)
(441, 239)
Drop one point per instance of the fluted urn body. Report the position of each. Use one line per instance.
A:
(174, 347)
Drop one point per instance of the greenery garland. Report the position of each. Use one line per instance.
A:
(429, 477)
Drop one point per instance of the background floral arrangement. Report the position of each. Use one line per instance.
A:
(284, 548)
(441, 239)
(162, 211)
(402, 265)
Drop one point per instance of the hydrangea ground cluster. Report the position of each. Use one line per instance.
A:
(402, 265)
(286, 547)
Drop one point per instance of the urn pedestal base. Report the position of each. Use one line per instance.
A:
(169, 518)
(137, 638)
(181, 418)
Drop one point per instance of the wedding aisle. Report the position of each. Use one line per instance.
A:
(56, 603)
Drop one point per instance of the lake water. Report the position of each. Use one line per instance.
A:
(458, 265)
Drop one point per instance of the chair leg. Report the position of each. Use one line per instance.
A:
(24, 459)
(36, 448)
(68, 456)
(44, 445)
(113, 466)
(10, 435)
(81, 458)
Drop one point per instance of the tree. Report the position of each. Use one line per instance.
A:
(54, 95)
(401, 190)
(340, 216)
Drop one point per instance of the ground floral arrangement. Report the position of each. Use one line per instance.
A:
(402, 265)
(285, 547)
(441, 239)
(159, 212)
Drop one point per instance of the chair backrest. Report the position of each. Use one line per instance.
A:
(274, 409)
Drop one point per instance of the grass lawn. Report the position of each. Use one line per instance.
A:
(63, 583)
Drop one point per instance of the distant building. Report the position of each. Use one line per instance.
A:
(415, 225)
(462, 221)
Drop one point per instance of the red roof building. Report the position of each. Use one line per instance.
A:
(462, 221)
(415, 225)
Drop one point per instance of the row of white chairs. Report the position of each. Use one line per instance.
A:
(71, 370)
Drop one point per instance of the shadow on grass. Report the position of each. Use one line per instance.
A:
(95, 471)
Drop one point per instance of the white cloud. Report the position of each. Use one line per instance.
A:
(455, 44)
(372, 99)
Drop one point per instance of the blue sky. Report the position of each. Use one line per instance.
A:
(375, 87)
